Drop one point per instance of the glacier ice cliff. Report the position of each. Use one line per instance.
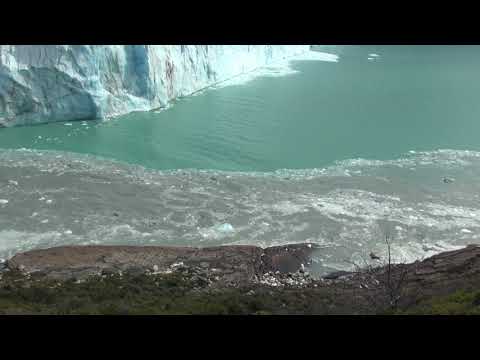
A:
(46, 83)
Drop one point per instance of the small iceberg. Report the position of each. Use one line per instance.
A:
(3, 201)
(217, 232)
(225, 227)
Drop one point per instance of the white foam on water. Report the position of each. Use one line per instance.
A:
(368, 206)
(288, 208)
(316, 56)
(266, 209)
(278, 69)
(116, 232)
(71, 162)
(413, 251)
(12, 241)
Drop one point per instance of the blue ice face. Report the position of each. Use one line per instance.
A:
(138, 70)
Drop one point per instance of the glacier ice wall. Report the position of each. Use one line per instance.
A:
(46, 83)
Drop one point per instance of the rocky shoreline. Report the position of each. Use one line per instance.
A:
(230, 264)
(225, 279)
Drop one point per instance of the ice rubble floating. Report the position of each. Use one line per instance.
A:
(345, 208)
(46, 83)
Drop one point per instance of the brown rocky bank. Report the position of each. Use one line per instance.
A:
(275, 280)
(229, 263)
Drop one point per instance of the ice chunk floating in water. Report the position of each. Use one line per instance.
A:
(225, 228)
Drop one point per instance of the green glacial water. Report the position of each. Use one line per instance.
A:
(329, 152)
